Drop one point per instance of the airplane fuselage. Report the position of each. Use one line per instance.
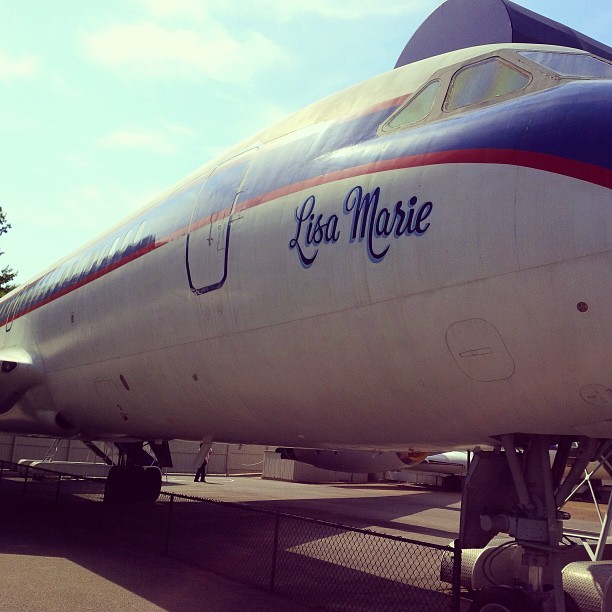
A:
(333, 283)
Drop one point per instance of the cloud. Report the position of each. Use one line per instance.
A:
(187, 39)
(177, 8)
(284, 10)
(150, 50)
(346, 10)
(11, 68)
(164, 140)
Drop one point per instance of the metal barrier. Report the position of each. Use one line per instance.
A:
(320, 564)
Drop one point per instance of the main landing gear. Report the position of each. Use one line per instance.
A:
(132, 483)
(515, 490)
(502, 599)
(134, 479)
(508, 599)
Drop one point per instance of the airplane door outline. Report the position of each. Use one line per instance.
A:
(208, 239)
(13, 311)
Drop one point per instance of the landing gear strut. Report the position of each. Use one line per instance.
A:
(516, 491)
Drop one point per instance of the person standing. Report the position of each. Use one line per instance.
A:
(200, 475)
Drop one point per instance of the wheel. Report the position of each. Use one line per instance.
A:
(116, 486)
(570, 603)
(132, 484)
(503, 599)
(452, 483)
(150, 482)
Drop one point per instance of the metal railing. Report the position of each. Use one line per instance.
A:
(320, 564)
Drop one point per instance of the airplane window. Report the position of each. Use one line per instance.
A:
(35, 291)
(126, 241)
(484, 81)
(10, 308)
(571, 64)
(79, 269)
(41, 288)
(90, 261)
(28, 293)
(139, 232)
(113, 248)
(102, 257)
(62, 278)
(6, 309)
(38, 288)
(418, 108)
(51, 284)
(67, 280)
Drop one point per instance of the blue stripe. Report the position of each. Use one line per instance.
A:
(572, 121)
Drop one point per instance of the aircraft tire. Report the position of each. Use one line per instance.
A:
(132, 484)
(150, 482)
(503, 599)
(452, 483)
(115, 490)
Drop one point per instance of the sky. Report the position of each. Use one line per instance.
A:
(104, 104)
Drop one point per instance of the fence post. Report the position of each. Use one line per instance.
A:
(274, 552)
(169, 525)
(57, 489)
(25, 481)
(456, 590)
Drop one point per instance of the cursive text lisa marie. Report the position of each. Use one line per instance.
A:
(370, 222)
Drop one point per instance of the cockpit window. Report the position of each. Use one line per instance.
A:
(571, 64)
(485, 80)
(418, 108)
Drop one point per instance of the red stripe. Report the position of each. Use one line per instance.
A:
(527, 159)
(539, 161)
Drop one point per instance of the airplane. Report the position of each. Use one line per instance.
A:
(453, 463)
(419, 263)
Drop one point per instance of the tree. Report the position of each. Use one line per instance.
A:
(7, 275)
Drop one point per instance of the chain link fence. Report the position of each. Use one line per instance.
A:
(322, 565)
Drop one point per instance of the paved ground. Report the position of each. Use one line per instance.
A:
(47, 565)
(50, 560)
(40, 570)
(423, 513)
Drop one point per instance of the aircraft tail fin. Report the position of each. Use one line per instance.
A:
(459, 24)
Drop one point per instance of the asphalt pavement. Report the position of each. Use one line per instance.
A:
(52, 559)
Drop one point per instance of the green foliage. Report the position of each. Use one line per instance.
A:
(7, 275)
